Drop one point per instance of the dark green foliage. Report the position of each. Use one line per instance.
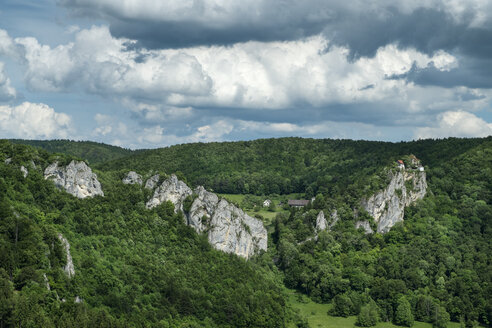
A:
(342, 306)
(440, 257)
(403, 315)
(288, 165)
(368, 316)
(134, 267)
(137, 267)
(93, 152)
(441, 318)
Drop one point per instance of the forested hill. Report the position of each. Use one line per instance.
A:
(289, 165)
(92, 152)
(140, 267)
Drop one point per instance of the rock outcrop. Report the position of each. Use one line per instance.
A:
(133, 178)
(233, 231)
(76, 178)
(228, 228)
(364, 224)
(24, 171)
(69, 267)
(321, 223)
(387, 206)
(151, 183)
(172, 190)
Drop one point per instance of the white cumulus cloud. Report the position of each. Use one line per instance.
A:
(456, 124)
(31, 120)
(7, 92)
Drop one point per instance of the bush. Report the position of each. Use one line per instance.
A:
(368, 316)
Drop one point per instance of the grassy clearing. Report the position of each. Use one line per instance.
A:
(263, 211)
(317, 315)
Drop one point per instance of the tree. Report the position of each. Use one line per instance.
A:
(404, 316)
(369, 315)
(342, 306)
(6, 294)
(441, 317)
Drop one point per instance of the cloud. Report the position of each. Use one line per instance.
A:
(7, 46)
(178, 23)
(32, 121)
(7, 92)
(461, 28)
(262, 79)
(456, 124)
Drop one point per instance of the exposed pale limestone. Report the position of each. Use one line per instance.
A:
(321, 223)
(76, 178)
(69, 267)
(8, 160)
(151, 183)
(202, 208)
(24, 171)
(172, 190)
(133, 178)
(233, 231)
(46, 282)
(333, 219)
(364, 224)
(387, 206)
(228, 228)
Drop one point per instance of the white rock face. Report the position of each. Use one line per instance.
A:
(151, 183)
(229, 229)
(321, 223)
(46, 282)
(233, 231)
(387, 206)
(76, 178)
(202, 207)
(69, 268)
(172, 190)
(133, 178)
(24, 171)
(364, 224)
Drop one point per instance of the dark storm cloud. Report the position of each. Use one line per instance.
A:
(471, 73)
(370, 113)
(362, 30)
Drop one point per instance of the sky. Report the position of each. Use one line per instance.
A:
(148, 74)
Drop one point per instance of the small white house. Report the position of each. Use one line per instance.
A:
(267, 202)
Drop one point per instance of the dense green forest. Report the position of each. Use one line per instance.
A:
(290, 165)
(146, 268)
(92, 152)
(134, 267)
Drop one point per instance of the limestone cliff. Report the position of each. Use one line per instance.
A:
(365, 225)
(172, 190)
(132, 178)
(76, 178)
(228, 228)
(69, 267)
(151, 183)
(322, 223)
(388, 205)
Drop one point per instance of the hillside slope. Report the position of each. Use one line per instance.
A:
(92, 152)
